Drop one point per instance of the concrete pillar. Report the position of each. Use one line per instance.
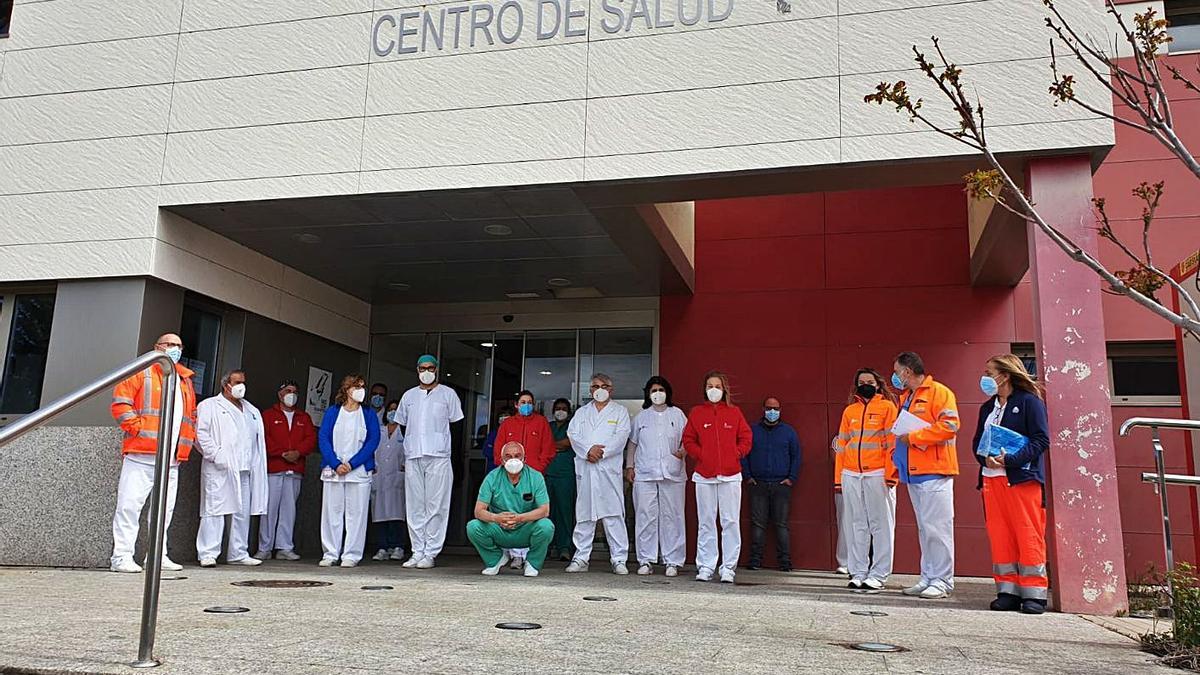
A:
(1086, 551)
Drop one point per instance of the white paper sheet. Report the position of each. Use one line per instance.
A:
(907, 423)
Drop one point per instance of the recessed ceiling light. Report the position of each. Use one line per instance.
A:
(308, 238)
(487, 345)
(546, 372)
(498, 230)
(400, 286)
(558, 282)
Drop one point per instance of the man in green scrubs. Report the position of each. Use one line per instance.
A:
(513, 511)
(560, 480)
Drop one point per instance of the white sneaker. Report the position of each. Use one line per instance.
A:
(247, 561)
(495, 569)
(349, 563)
(171, 565)
(672, 571)
(726, 576)
(327, 562)
(397, 554)
(645, 570)
(855, 584)
(426, 564)
(619, 568)
(263, 555)
(381, 554)
(517, 563)
(704, 574)
(841, 570)
(873, 584)
(530, 570)
(127, 566)
(411, 562)
(933, 593)
(577, 566)
(208, 562)
(287, 555)
(917, 589)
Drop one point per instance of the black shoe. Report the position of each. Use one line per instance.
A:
(1005, 602)
(1031, 606)
(855, 584)
(754, 565)
(786, 567)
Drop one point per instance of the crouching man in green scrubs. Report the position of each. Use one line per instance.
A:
(513, 511)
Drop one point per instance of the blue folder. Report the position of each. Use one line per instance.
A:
(997, 439)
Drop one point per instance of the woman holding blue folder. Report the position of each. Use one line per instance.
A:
(1010, 438)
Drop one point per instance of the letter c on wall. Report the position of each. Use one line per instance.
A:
(375, 35)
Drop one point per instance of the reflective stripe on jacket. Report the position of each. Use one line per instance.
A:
(932, 450)
(865, 440)
(137, 405)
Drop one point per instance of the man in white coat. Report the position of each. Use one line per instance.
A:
(233, 475)
(598, 433)
(425, 414)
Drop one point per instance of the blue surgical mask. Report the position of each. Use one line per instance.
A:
(896, 381)
(771, 415)
(376, 401)
(988, 384)
(391, 416)
(526, 409)
(174, 353)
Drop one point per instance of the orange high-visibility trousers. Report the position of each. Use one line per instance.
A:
(1016, 527)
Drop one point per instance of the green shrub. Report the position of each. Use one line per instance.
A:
(1186, 605)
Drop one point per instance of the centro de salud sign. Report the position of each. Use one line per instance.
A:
(465, 26)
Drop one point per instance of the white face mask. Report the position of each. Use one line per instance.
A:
(358, 394)
(714, 394)
(238, 391)
(600, 395)
(513, 465)
(426, 376)
(561, 415)
(289, 400)
(658, 397)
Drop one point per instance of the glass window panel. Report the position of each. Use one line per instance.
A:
(550, 366)
(625, 355)
(1184, 29)
(1145, 376)
(28, 343)
(201, 335)
(466, 367)
(394, 360)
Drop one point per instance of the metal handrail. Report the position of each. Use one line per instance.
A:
(1160, 479)
(158, 499)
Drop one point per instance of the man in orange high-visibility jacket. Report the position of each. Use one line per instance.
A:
(137, 405)
(927, 462)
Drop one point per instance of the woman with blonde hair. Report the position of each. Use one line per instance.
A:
(1011, 438)
(348, 438)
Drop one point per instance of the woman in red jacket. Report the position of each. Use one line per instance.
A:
(716, 438)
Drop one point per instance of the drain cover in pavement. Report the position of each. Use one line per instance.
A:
(377, 588)
(874, 647)
(868, 613)
(660, 583)
(226, 610)
(599, 598)
(281, 583)
(174, 578)
(518, 625)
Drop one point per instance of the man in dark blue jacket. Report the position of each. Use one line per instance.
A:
(770, 471)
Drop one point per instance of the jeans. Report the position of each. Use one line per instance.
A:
(769, 503)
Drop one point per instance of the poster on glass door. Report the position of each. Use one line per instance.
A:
(320, 386)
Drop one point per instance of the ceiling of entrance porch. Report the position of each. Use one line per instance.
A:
(450, 246)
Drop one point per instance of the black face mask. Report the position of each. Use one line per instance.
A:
(867, 391)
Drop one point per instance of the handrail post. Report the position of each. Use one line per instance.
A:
(164, 453)
(1161, 486)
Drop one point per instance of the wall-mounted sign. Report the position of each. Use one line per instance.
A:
(320, 387)
(455, 27)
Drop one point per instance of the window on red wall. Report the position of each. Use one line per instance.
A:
(1139, 373)
(1184, 29)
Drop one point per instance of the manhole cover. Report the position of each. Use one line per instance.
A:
(868, 613)
(226, 610)
(659, 583)
(174, 578)
(281, 583)
(874, 647)
(518, 625)
(599, 598)
(377, 588)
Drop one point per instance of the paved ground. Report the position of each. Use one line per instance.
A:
(442, 621)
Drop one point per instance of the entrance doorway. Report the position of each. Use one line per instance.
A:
(487, 369)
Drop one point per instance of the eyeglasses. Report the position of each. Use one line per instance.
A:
(427, 368)
(594, 387)
(169, 344)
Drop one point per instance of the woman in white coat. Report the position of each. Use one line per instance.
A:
(348, 438)
(387, 489)
(655, 467)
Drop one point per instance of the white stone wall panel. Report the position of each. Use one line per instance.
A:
(96, 65)
(297, 96)
(68, 22)
(106, 113)
(263, 151)
(80, 165)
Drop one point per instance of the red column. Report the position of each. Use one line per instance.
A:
(1087, 560)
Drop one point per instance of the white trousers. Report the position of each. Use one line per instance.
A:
(208, 537)
(615, 533)
(718, 501)
(137, 481)
(275, 528)
(870, 512)
(843, 532)
(659, 521)
(427, 485)
(344, 509)
(933, 505)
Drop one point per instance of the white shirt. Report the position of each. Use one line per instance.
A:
(349, 432)
(426, 415)
(248, 437)
(655, 437)
(289, 414)
(994, 418)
